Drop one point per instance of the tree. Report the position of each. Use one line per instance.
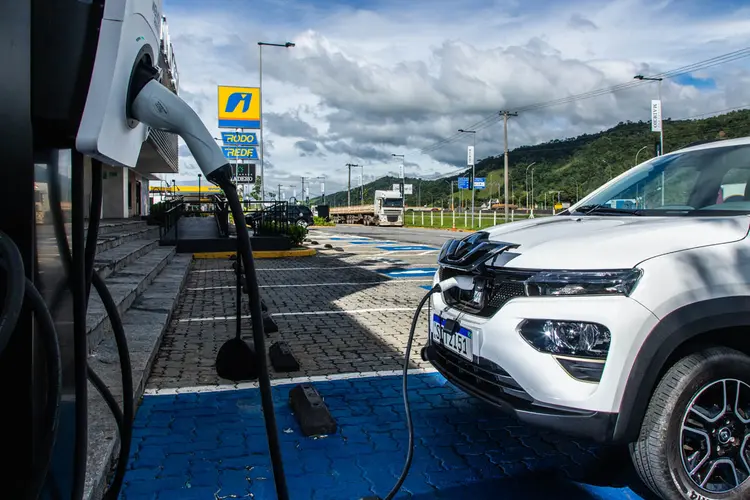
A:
(255, 193)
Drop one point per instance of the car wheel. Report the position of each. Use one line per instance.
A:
(695, 437)
(302, 223)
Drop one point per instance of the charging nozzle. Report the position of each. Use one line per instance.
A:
(160, 108)
(463, 282)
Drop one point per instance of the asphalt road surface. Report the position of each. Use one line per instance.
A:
(403, 234)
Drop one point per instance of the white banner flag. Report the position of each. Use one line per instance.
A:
(322, 188)
(656, 115)
(470, 156)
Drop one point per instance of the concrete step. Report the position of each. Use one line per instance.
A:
(112, 260)
(115, 239)
(125, 286)
(145, 322)
(109, 226)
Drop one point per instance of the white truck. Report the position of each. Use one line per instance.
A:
(386, 210)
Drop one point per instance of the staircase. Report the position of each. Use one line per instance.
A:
(145, 281)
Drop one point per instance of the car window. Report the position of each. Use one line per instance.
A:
(684, 183)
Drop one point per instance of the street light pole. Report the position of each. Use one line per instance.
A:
(473, 170)
(526, 178)
(505, 115)
(349, 184)
(260, 104)
(401, 185)
(639, 152)
(661, 105)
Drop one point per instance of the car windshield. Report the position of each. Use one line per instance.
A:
(392, 202)
(703, 182)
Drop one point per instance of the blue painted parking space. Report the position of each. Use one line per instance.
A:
(426, 287)
(373, 242)
(212, 445)
(414, 272)
(349, 238)
(403, 248)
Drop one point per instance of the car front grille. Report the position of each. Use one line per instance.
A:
(483, 376)
(501, 285)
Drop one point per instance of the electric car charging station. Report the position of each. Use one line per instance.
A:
(131, 370)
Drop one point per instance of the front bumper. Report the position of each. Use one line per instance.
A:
(507, 372)
(499, 389)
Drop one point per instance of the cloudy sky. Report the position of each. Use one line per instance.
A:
(369, 78)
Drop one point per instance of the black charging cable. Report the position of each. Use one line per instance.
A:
(222, 177)
(11, 262)
(123, 417)
(405, 389)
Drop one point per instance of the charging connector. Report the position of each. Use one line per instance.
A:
(462, 282)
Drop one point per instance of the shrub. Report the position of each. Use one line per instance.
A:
(296, 234)
(320, 221)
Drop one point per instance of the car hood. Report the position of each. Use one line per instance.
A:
(608, 242)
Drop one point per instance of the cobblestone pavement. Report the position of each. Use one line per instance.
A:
(337, 311)
(200, 437)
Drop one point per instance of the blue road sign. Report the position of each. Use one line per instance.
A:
(479, 183)
(463, 183)
(416, 272)
(402, 248)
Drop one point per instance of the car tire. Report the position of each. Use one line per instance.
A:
(715, 378)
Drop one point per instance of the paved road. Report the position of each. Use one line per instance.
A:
(403, 234)
(345, 314)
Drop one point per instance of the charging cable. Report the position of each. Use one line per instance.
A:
(462, 282)
(17, 290)
(123, 417)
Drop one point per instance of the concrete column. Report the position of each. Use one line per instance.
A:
(114, 185)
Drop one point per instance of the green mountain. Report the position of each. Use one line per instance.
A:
(573, 167)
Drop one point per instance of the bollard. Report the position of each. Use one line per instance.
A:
(441, 218)
(454, 219)
(423, 219)
(512, 215)
(494, 218)
(412, 217)
(480, 218)
(431, 217)
(466, 219)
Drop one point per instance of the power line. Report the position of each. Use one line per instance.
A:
(683, 70)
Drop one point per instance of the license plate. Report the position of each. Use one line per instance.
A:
(452, 336)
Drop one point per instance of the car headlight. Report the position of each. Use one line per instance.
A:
(565, 283)
(567, 338)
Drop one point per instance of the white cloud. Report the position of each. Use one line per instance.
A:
(364, 83)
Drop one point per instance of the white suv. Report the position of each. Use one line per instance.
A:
(624, 325)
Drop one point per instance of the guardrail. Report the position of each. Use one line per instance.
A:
(170, 217)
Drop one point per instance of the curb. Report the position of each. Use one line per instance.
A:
(261, 254)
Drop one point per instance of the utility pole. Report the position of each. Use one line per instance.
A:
(349, 184)
(505, 115)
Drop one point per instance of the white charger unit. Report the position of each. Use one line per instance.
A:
(129, 33)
